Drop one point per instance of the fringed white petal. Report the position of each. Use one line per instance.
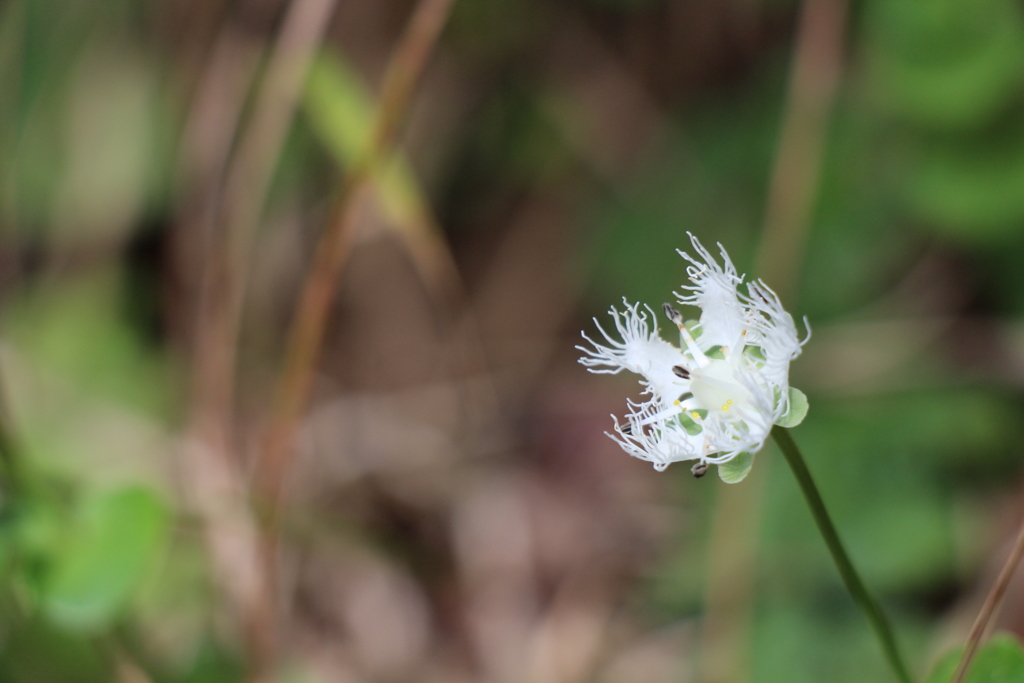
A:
(714, 292)
(728, 397)
(649, 436)
(640, 351)
(771, 328)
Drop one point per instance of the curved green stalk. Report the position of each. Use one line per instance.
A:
(867, 602)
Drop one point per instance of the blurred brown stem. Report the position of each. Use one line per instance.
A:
(796, 175)
(815, 75)
(305, 338)
(403, 73)
(991, 605)
(246, 184)
(213, 477)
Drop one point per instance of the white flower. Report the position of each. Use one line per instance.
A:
(719, 392)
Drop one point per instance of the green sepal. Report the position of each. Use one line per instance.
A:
(736, 470)
(689, 424)
(715, 352)
(755, 353)
(797, 409)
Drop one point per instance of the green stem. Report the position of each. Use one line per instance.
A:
(867, 602)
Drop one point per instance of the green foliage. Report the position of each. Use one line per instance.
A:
(115, 541)
(892, 452)
(800, 643)
(83, 153)
(213, 665)
(339, 108)
(999, 660)
(883, 466)
(925, 154)
(80, 333)
(952, 75)
(341, 112)
(945, 64)
(37, 651)
(926, 145)
(970, 185)
(708, 179)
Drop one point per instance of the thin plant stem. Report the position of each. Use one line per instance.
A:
(215, 484)
(247, 180)
(815, 76)
(306, 334)
(864, 599)
(992, 603)
(729, 604)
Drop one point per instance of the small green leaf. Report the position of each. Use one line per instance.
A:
(1000, 660)
(736, 470)
(797, 409)
(121, 533)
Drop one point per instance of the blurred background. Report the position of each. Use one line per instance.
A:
(434, 500)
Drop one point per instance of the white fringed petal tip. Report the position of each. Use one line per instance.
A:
(718, 393)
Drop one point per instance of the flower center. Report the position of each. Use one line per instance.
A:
(716, 388)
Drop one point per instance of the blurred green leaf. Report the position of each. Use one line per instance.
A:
(815, 643)
(213, 664)
(340, 111)
(339, 108)
(110, 160)
(999, 660)
(38, 527)
(955, 73)
(943, 63)
(844, 268)
(77, 332)
(737, 469)
(83, 121)
(120, 534)
(971, 187)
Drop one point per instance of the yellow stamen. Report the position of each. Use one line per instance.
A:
(695, 414)
(676, 402)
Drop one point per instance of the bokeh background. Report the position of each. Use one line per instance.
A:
(450, 510)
